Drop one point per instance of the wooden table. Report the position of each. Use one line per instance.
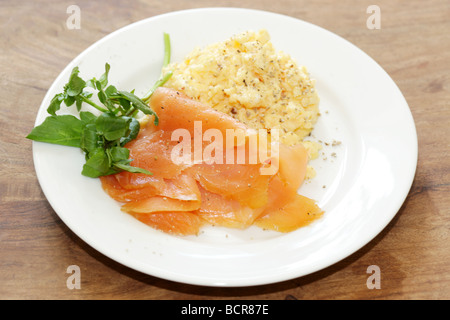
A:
(413, 251)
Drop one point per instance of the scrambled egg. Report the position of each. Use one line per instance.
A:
(248, 79)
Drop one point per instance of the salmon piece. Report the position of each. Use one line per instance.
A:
(279, 194)
(292, 164)
(176, 110)
(297, 213)
(217, 210)
(181, 194)
(176, 223)
(128, 180)
(160, 204)
(153, 153)
(283, 186)
(183, 187)
(242, 183)
(113, 188)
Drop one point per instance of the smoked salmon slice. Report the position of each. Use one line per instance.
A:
(242, 183)
(175, 110)
(297, 213)
(160, 204)
(153, 152)
(219, 211)
(116, 191)
(176, 223)
(182, 196)
(183, 187)
(292, 164)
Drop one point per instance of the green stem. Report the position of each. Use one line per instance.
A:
(96, 106)
(133, 115)
(131, 111)
(158, 84)
(167, 50)
(163, 78)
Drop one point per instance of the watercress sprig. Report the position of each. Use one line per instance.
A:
(101, 137)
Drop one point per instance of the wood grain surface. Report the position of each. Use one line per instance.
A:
(36, 247)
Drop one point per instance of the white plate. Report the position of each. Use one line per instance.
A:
(361, 187)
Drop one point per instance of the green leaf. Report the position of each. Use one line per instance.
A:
(62, 129)
(111, 126)
(131, 169)
(91, 83)
(97, 165)
(90, 139)
(69, 100)
(104, 78)
(139, 104)
(114, 97)
(102, 97)
(98, 85)
(55, 104)
(82, 97)
(119, 154)
(134, 128)
(110, 90)
(79, 102)
(87, 117)
(75, 85)
(126, 105)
